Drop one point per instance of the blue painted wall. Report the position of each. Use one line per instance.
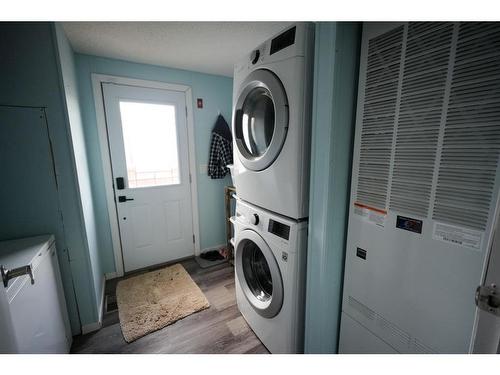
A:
(71, 98)
(29, 76)
(335, 88)
(216, 92)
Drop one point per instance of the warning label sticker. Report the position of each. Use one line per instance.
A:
(458, 235)
(371, 214)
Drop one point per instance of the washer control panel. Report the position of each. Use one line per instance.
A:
(279, 229)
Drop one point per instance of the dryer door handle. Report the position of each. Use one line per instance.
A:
(238, 118)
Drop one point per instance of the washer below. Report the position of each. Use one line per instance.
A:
(270, 265)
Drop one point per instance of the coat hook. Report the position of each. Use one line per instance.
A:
(218, 112)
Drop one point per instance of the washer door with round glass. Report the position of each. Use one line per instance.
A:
(258, 274)
(260, 120)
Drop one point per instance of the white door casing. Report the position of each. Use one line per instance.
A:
(156, 225)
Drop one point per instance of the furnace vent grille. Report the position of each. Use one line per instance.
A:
(471, 141)
(430, 131)
(424, 78)
(382, 75)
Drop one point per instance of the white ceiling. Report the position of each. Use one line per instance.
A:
(208, 47)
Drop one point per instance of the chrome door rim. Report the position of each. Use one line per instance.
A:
(272, 307)
(265, 79)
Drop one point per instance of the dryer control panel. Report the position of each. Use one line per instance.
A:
(295, 41)
(283, 40)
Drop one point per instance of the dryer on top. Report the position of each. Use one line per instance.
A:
(271, 124)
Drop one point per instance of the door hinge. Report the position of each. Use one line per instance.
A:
(190, 179)
(488, 299)
(186, 108)
(194, 239)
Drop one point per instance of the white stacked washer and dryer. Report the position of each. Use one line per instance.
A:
(271, 142)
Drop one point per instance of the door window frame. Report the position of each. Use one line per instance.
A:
(97, 81)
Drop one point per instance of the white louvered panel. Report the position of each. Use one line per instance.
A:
(402, 340)
(384, 58)
(424, 78)
(471, 143)
(421, 28)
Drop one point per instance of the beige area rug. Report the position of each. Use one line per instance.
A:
(153, 300)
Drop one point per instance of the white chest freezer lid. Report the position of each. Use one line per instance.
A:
(22, 252)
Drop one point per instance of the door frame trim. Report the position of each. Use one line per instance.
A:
(97, 80)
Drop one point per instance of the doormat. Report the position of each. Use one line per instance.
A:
(151, 301)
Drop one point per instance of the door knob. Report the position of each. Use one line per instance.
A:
(123, 198)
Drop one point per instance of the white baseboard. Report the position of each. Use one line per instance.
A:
(91, 327)
(110, 275)
(103, 299)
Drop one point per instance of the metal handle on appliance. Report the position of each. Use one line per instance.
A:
(16, 272)
(488, 299)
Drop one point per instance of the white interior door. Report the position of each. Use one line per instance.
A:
(148, 143)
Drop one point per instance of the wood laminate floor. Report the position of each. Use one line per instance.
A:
(218, 329)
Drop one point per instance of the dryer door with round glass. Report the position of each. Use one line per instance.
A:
(258, 274)
(260, 120)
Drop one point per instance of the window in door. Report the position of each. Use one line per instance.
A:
(150, 142)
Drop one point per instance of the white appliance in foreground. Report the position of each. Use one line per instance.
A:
(271, 124)
(425, 183)
(270, 264)
(33, 315)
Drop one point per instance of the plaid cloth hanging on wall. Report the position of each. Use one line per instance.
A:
(221, 149)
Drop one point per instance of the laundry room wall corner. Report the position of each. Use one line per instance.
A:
(31, 78)
(69, 88)
(335, 91)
